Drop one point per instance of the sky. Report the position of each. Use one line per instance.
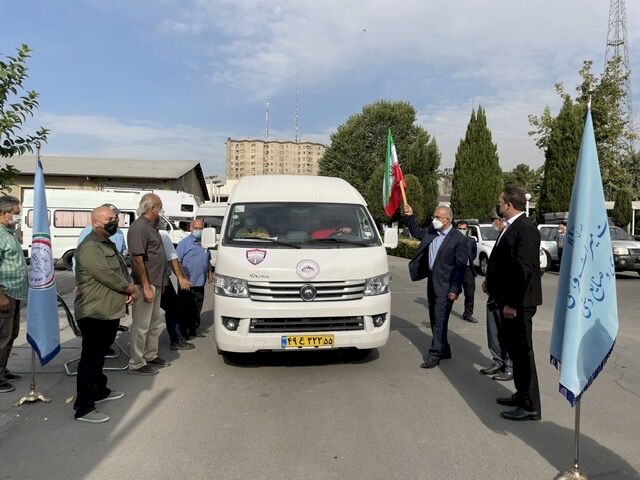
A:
(173, 79)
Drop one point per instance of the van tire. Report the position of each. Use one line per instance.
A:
(484, 265)
(67, 260)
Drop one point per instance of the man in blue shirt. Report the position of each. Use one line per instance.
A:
(196, 265)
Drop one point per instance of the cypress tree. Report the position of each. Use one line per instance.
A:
(422, 160)
(621, 214)
(477, 178)
(561, 157)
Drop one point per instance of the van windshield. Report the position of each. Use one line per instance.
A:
(300, 225)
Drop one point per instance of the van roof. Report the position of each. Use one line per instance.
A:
(294, 188)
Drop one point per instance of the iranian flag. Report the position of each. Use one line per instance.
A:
(393, 185)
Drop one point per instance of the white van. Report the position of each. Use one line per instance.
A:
(70, 212)
(300, 266)
(212, 215)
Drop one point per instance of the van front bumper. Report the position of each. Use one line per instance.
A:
(248, 313)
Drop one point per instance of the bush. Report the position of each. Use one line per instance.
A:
(407, 248)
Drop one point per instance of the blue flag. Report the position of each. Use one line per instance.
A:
(43, 332)
(585, 322)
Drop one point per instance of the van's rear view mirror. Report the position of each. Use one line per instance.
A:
(208, 237)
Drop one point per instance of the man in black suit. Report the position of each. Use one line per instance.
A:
(441, 257)
(469, 280)
(513, 282)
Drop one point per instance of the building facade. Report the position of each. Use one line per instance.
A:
(259, 157)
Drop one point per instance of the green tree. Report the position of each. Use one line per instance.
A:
(561, 158)
(14, 110)
(525, 177)
(621, 213)
(477, 178)
(359, 146)
(613, 138)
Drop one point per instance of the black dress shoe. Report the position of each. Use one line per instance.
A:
(470, 318)
(491, 370)
(508, 401)
(503, 377)
(430, 363)
(446, 356)
(520, 414)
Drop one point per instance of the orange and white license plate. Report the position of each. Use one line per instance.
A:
(307, 341)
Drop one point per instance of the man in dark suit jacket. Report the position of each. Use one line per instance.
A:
(513, 281)
(441, 257)
(469, 280)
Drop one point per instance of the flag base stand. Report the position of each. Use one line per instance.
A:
(574, 473)
(33, 395)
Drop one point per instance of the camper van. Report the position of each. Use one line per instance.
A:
(70, 212)
(300, 266)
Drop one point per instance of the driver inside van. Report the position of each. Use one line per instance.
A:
(251, 229)
(337, 226)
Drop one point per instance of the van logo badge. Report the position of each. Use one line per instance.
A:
(308, 292)
(307, 269)
(255, 255)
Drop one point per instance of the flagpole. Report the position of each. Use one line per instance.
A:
(33, 395)
(574, 472)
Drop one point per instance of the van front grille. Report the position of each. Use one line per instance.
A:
(291, 291)
(306, 324)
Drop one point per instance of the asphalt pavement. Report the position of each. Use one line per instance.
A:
(330, 414)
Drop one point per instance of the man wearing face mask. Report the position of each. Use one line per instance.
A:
(13, 285)
(148, 262)
(513, 282)
(104, 289)
(117, 237)
(197, 267)
(469, 281)
(441, 258)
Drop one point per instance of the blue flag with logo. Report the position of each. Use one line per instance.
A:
(585, 322)
(43, 332)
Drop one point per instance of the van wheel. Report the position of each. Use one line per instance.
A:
(67, 260)
(484, 265)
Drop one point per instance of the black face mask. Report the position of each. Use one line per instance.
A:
(111, 227)
(498, 210)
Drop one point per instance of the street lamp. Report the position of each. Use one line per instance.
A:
(527, 196)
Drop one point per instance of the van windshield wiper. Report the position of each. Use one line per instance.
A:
(336, 240)
(267, 240)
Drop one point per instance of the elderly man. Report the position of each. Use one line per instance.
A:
(149, 263)
(13, 285)
(197, 266)
(441, 257)
(104, 290)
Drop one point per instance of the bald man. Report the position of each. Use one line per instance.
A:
(149, 263)
(196, 264)
(104, 290)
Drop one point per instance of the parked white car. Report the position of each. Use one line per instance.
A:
(486, 237)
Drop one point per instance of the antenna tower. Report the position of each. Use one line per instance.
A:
(266, 122)
(618, 46)
(297, 110)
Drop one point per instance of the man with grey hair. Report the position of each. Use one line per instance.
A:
(148, 262)
(441, 258)
(14, 285)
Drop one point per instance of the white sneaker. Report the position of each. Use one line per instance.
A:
(94, 416)
(111, 396)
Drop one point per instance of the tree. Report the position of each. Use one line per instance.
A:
(621, 213)
(14, 110)
(525, 177)
(477, 178)
(359, 146)
(613, 139)
(561, 158)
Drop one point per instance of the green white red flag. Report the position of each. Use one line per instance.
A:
(393, 180)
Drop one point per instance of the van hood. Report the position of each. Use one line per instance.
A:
(285, 264)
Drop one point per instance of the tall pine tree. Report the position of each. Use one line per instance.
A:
(477, 178)
(561, 157)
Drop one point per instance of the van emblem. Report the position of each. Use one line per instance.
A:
(307, 269)
(308, 292)
(255, 255)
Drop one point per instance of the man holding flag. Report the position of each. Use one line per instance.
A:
(13, 285)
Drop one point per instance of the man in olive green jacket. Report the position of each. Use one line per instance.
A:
(104, 289)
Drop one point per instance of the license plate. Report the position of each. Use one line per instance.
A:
(307, 341)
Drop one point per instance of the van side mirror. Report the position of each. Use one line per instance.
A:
(391, 238)
(208, 238)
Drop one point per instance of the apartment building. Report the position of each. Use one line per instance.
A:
(259, 157)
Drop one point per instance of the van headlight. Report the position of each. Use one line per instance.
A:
(230, 286)
(377, 285)
(620, 251)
